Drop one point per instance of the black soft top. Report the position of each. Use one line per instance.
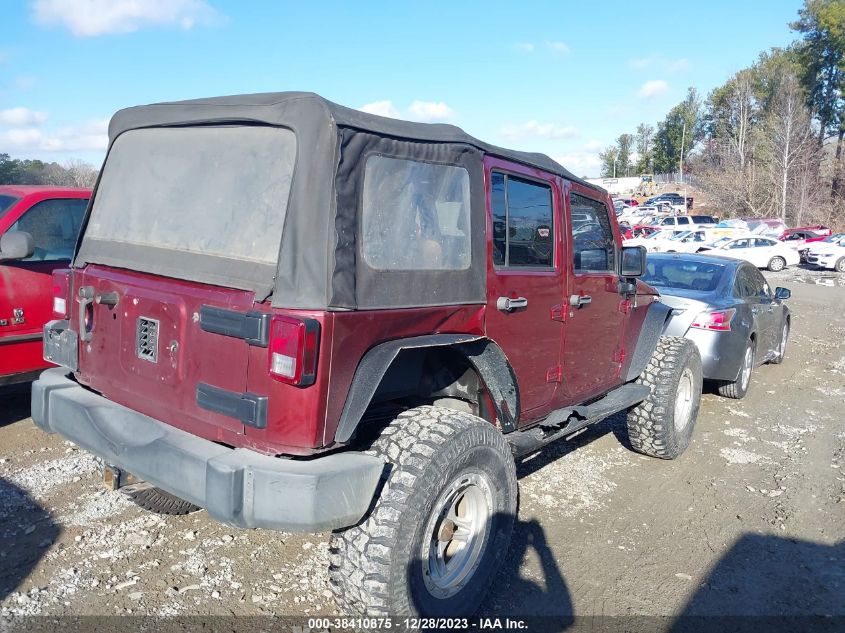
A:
(319, 266)
(274, 108)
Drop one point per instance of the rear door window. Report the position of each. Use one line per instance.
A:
(523, 225)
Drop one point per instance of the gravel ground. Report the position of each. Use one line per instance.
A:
(750, 521)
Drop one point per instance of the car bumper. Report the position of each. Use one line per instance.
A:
(237, 486)
(721, 352)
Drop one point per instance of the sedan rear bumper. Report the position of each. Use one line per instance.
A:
(721, 352)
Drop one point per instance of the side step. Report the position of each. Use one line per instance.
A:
(568, 421)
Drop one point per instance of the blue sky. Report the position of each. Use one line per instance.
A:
(564, 78)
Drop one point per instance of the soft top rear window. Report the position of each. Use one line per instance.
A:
(206, 190)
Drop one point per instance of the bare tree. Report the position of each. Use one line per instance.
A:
(788, 136)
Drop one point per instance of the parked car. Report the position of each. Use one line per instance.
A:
(652, 242)
(38, 230)
(686, 221)
(683, 242)
(818, 229)
(763, 252)
(767, 227)
(828, 254)
(351, 351)
(726, 307)
(798, 239)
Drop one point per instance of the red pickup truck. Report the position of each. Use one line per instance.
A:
(38, 230)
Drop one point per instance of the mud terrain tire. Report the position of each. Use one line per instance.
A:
(443, 464)
(161, 502)
(662, 425)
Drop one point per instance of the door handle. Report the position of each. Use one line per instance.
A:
(579, 301)
(506, 304)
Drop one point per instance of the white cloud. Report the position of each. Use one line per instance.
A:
(18, 117)
(427, 111)
(557, 47)
(423, 111)
(653, 88)
(593, 145)
(660, 62)
(581, 163)
(536, 130)
(89, 135)
(89, 18)
(560, 48)
(381, 108)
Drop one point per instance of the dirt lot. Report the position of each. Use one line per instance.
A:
(750, 521)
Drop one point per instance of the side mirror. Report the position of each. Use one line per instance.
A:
(16, 245)
(782, 293)
(633, 261)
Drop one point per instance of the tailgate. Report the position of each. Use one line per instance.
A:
(147, 350)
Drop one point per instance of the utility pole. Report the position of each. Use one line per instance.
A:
(614, 167)
(683, 182)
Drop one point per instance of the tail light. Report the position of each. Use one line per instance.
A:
(718, 320)
(61, 294)
(293, 348)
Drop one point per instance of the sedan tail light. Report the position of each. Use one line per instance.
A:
(61, 294)
(718, 320)
(293, 348)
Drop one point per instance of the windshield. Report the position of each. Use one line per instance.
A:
(834, 238)
(6, 202)
(720, 242)
(686, 275)
(218, 191)
(681, 236)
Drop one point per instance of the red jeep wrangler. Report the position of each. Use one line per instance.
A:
(303, 317)
(38, 230)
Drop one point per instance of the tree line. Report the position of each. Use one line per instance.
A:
(74, 173)
(770, 140)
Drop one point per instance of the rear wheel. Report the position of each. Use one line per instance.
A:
(441, 527)
(662, 425)
(781, 352)
(737, 389)
(839, 266)
(777, 264)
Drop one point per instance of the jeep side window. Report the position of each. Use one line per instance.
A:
(523, 228)
(415, 215)
(593, 248)
(54, 226)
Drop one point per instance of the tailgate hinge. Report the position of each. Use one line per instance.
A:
(558, 313)
(625, 306)
(555, 374)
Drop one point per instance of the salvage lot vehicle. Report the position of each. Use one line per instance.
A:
(726, 307)
(831, 256)
(38, 230)
(397, 309)
(763, 252)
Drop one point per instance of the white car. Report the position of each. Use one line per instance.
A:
(763, 252)
(829, 253)
(684, 242)
(653, 242)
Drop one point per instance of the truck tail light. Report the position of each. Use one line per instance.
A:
(718, 320)
(61, 294)
(293, 348)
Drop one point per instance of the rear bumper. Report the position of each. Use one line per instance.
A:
(237, 486)
(721, 352)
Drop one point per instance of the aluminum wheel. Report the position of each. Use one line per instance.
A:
(458, 531)
(747, 366)
(684, 397)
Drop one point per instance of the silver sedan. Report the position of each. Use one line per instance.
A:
(727, 308)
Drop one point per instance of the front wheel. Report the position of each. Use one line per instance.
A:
(781, 351)
(440, 529)
(662, 424)
(839, 266)
(776, 264)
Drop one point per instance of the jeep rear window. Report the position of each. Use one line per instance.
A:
(219, 191)
(415, 215)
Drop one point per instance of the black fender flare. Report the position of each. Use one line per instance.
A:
(484, 355)
(653, 327)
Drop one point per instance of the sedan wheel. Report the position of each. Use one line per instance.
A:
(738, 388)
(840, 265)
(777, 264)
(781, 353)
